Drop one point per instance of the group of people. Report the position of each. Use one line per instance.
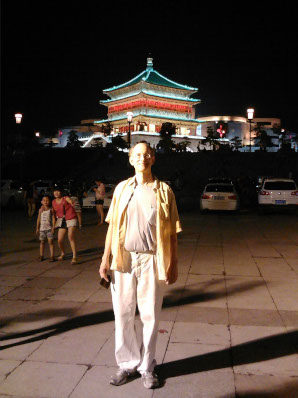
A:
(64, 213)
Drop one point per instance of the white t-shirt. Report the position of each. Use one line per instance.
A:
(141, 220)
(46, 220)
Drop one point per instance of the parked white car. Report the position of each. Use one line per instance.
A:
(277, 192)
(12, 194)
(219, 197)
(89, 200)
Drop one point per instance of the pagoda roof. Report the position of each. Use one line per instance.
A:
(150, 116)
(152, 76)
(147, 92)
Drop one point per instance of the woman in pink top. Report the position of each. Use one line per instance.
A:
(66, 220)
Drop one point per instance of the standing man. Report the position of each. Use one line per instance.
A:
(143, 223)
(99, 199)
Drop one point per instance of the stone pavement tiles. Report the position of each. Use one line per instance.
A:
(228, 327)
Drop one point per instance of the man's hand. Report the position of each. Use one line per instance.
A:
(53, 231)
(37, 231)
(172, 273)
(104, 268)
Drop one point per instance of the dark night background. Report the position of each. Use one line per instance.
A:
(57, 57)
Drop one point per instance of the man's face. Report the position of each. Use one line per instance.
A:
(141, 158)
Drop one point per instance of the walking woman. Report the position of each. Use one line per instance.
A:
(31, 198)
(66, 222)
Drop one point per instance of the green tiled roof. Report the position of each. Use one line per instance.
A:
(151, 94)
(152, 76)
(150, 116)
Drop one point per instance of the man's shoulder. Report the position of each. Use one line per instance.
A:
(165, 187)
(121, 185)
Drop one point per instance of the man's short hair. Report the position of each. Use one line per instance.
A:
(152, 150)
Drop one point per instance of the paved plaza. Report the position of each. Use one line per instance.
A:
(228, 329)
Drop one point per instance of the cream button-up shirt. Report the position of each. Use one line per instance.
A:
(167, 224)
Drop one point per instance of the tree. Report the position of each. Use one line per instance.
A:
(262, 138)
(73, 140)
(211, 139)
(107, 128)
(236, 143)
(282, 135)
(166, 143)
(119, 142)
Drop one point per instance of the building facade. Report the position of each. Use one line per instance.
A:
(153, 99)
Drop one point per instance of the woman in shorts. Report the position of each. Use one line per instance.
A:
(66, 221)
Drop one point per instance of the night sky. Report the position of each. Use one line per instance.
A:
(57, 57)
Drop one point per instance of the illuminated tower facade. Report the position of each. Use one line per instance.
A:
(153, 99)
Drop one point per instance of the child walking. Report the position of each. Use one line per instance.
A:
(45, 227)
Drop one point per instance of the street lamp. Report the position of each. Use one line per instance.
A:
(37, 134)
(250, 116)
(18, 117)
(129, 119)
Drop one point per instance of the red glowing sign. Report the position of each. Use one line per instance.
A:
(220, 131)
(148, 104)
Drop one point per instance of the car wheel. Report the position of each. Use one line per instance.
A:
(11, 204)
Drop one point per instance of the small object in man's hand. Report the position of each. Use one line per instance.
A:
(104, 283)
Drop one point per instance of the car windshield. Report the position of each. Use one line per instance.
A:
(220, 180)
(280, 185)
(219, 188)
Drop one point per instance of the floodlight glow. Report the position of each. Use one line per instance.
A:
(18, 117)
(250, 113)
(129, 116)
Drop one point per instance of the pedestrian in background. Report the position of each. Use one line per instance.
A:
(66, 222)
(31, 198)
(45, 227)
(99, 199)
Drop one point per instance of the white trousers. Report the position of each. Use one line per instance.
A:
(139, 287)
